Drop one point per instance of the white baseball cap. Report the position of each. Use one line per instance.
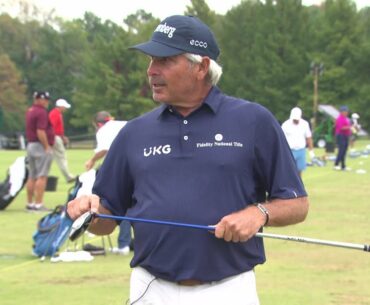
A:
(296, 113)
(355, 116)
(62, 103)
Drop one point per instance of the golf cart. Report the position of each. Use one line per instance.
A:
(323, 135)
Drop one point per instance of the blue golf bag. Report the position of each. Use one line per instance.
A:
(52, 231)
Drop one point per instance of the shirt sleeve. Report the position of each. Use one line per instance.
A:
(275, 168)
(103, 139)
(308, 133)
(114, 183)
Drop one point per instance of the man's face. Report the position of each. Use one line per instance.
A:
(43, 102)
(172, 79)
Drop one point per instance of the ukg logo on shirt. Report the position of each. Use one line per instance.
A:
(157, 150)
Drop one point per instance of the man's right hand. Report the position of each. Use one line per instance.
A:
(83, 204)
(89, 164)
(91, 203)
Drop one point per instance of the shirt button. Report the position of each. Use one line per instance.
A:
(186, 138)
(185, 122)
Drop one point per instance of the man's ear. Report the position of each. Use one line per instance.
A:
(203, 67)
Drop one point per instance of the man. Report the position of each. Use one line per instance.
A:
(298, 135)
(355, 128)
(59, 151)
(201, 157)
(40, 138)
(342, 134)
(106, 130)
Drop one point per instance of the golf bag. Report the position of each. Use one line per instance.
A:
(14, 182)
(52, 231)
(84, 184)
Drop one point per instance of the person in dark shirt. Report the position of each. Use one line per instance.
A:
(342, 133)
(201, 157)
(40, 139)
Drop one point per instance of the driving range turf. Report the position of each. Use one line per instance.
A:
(294, 274)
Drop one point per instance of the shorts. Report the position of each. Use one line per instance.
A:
(300, 158)
(39, 161)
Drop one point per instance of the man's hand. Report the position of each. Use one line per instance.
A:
(65, 140)
(86, 203)
(240, 226)
(89, 164)
(83, 204)
(48, 149)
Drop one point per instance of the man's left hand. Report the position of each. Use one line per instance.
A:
(240, 226)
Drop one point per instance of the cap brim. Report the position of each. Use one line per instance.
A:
(64, 105)
(157, 49)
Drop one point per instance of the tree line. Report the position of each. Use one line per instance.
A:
(267, 52)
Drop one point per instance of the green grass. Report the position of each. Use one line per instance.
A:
(295, 273)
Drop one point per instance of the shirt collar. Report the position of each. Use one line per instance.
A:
(38, 106)
(212, 100)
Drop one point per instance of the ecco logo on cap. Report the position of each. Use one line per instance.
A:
(198, 43)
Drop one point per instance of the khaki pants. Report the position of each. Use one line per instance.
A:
(59, 154)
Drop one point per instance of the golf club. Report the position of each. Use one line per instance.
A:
(81, 224)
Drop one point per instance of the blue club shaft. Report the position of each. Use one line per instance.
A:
(160, 222)
(259, 234)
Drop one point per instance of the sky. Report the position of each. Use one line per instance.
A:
(117, 10)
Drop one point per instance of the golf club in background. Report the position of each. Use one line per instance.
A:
(81, 224)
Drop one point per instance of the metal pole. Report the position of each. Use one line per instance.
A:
(315, 94)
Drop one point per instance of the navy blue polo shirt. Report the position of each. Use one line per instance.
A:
(227, 154)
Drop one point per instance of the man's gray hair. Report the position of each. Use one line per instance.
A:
(214, 71)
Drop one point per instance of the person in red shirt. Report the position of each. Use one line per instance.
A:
(59, 151)
(40, 140)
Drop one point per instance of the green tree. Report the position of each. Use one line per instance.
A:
(335, 41)
(19, 41)
(114, 76)
(12, 96)
(200, 9)
(264, 54)
(360, 70)
(266, 50)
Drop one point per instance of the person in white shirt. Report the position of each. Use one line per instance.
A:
(106, 131)
(298, 134)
